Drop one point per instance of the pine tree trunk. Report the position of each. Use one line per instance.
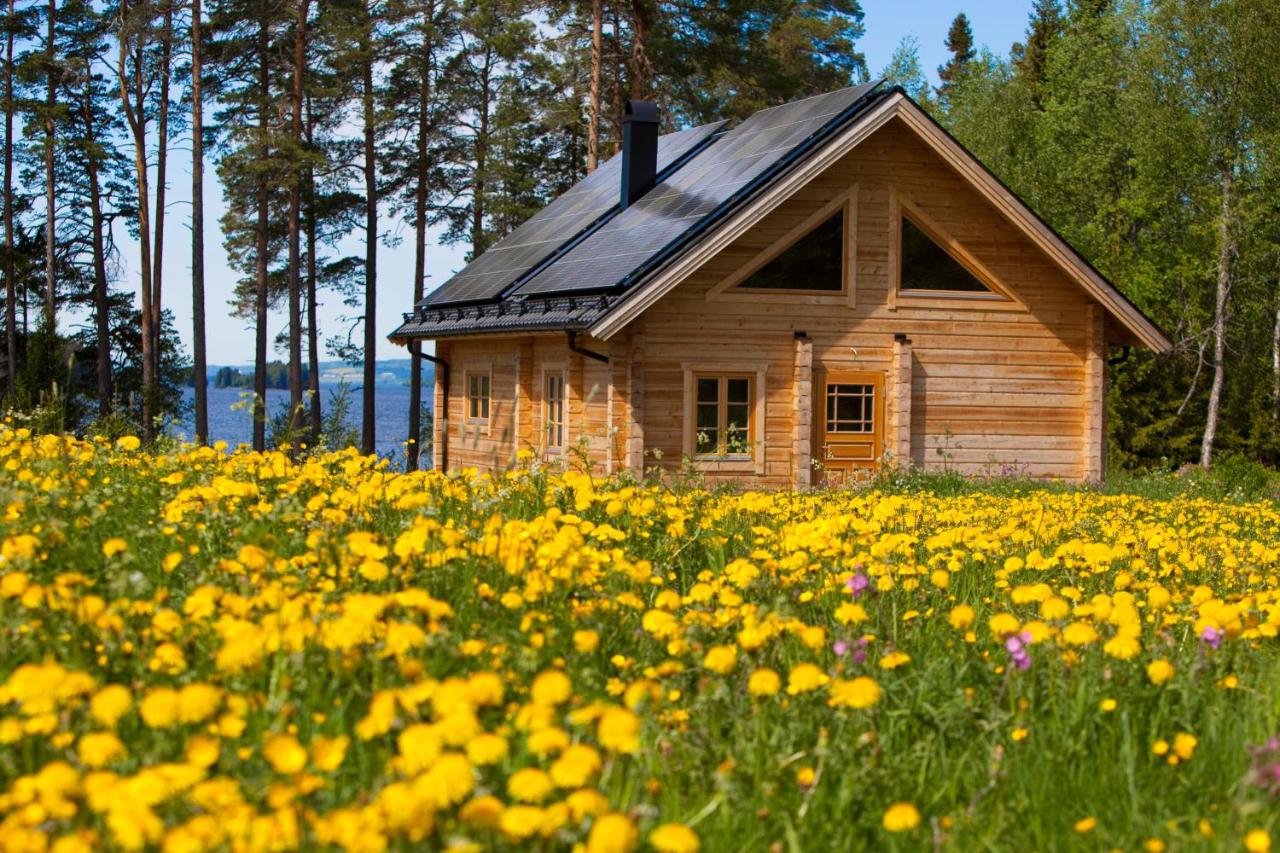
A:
(101, 307)
(593, 107)
(641, 70)
(200, 368)
(420, 235)
(313, 331)
(260, 297)
(162, 162)
(295, 206)
(479, 186)
(368, 427)
(1275, 360)
(617, 80)
(136, 119)
(1222, 296)
(50, 198)
(10, 286)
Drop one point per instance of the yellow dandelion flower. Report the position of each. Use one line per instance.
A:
(285, 754)
(619, 730)
(1159, 671)
(612, 833)
(860, 692)
(805, 677)
(721, 659)
(674, 838)
(901, 817)
(763, 682)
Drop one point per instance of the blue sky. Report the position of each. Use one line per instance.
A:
(996, 24)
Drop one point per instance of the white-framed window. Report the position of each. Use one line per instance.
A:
(555, 410)
(479, 392)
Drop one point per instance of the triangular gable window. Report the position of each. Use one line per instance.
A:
(814, 262)
(928, 267)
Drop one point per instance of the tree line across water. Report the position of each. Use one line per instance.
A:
(1143, 131)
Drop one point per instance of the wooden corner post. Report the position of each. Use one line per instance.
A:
(440, 413)
(802, 416)
(1095, 394)
(635, 405)
(898, 440)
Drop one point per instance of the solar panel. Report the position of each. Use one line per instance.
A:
(548, 229)
(701, 189)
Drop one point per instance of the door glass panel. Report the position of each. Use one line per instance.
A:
(850, 408)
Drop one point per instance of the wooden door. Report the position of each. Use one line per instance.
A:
(850, 422)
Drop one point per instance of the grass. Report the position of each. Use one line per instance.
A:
(333, 599)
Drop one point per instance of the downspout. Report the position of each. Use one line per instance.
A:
(1121, 358)
(444, 433)
(573, 347)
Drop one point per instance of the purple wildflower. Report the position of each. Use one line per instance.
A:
(1016, 646)
(1212, 637)
(857, 584)
(1264, 768)
(841, 648)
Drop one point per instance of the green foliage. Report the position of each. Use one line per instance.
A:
(1117, 125)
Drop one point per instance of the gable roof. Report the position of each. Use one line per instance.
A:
(712, 186)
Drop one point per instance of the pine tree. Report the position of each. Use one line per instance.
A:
(1044, 30)
(360, 25)
(960, 44)
(95, 188)
(492, 34)
(16, 25)
(133, 70)
(424, 31)
(199, 367)
(245, 55)
(296, 105)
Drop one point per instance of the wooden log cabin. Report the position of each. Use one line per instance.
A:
(833, 284)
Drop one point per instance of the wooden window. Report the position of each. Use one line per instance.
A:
(478, 394)
(723, 416)
(814, 263)
(851, 408)
(553, 410)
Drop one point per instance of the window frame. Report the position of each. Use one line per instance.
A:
(845, 202)
(757, 376)
(549, 372)
(477, 373)
(1000, 298)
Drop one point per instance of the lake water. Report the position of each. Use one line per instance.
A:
(230, 419)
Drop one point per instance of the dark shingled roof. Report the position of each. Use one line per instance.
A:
(569, 265)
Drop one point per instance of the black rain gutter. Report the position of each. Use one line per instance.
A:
(573, 347)
(741, 196)
(444, 377)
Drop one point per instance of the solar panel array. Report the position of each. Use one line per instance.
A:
(698, 190)
(546, 231)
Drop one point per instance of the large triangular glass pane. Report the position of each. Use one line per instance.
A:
(814, 262)
(929, 267)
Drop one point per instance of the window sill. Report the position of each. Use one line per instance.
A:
(724, 463)
(959, 300)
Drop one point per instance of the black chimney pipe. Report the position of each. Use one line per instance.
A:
(639, 150)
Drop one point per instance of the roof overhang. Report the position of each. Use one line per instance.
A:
(898, 105)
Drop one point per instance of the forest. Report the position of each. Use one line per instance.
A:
(1144, 131)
